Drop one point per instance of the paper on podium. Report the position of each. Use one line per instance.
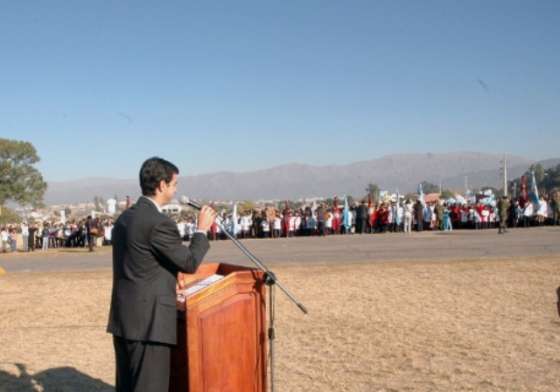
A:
(197, 286)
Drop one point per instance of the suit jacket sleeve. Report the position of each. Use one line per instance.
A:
(168, 247)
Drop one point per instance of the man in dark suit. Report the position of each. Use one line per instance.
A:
(361, 218)
(148, 255)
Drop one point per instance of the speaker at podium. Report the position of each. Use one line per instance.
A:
(221, 331)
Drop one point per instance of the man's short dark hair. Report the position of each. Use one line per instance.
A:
(153, 171)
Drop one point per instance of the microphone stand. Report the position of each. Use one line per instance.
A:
(270, 280)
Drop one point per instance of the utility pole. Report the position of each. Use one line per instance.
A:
(505, 176)
(466, 184)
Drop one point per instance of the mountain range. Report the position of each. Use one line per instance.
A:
(401, 172)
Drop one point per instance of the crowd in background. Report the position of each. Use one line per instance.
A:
(85, 233)
(381, 217)
(317, 220)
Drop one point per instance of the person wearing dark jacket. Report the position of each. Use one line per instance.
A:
(419, 215)
(148, 257)
(503, 209)
(361, 218)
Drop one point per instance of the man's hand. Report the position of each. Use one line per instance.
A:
(180, 282)
(206, 218)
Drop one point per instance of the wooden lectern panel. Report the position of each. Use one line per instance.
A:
(222, 345)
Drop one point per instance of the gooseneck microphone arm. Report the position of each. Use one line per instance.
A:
(270, 277)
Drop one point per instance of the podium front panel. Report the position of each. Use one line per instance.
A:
(222, 347)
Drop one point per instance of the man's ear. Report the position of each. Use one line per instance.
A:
(160, 187)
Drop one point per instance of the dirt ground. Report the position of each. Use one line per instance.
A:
(487, 325)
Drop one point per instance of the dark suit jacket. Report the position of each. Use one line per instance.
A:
(147, 255)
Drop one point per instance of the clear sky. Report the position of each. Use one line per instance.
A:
(98, 86)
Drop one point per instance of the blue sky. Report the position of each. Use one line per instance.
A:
(99, 86)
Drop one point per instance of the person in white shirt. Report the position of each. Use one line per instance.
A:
(265, 227)
(4, 239)
(108, 232)
(291, 225)
(408, 209)
(329, 222)
(542, 211)
(297, 224)
(399, 221)
(25, 236)
(277, 227)
(190, 228)
(484, 218)
(182, 228)
(528, 212)
(245, 223)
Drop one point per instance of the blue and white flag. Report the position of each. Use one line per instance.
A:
(346, 221)
(397, 217)
(534, 193)
(421, 194)
(234, 225)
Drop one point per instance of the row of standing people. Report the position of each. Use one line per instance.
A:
(386, 217)
(45, 235)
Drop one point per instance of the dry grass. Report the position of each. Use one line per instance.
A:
(479, 325)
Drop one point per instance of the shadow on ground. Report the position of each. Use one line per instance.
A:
(62, 379)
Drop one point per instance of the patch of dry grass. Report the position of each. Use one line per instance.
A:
(478, 325)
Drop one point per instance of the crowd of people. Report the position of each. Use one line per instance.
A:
(85, 233)
(321, 220)
(367, 217)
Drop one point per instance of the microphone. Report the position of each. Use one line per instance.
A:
(186, 201)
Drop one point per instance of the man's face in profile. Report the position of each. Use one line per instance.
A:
(168, 190)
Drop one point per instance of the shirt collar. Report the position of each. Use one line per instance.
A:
(154, 203)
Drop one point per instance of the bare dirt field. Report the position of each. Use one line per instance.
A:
(471, 325)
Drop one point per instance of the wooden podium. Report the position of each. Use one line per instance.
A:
(221, 338)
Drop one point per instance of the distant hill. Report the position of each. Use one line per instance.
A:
(293, 181)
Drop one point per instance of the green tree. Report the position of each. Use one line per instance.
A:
(20, 181)
(447, 194)
(99, 203)
(9, 216)
(539, 172)
(428, 187)
(547, 179)
(551, 179)
(245, 207)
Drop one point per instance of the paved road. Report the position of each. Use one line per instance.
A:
(544, 241)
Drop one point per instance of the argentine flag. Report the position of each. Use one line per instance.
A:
(397, 216)
(421, 194)
(346, 222)
(534, 193)
(234, 225)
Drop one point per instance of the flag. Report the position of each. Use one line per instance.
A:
(346, 221)
(421, 194)
(234, 224)
(534, 194)
(397, 216)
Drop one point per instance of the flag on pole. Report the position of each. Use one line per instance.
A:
(534, 194)
(346, 221)
(397, 216)
(234, 225)
(421, 194)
